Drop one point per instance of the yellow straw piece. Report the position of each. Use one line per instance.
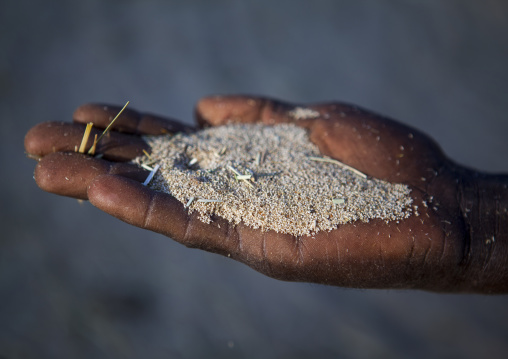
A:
(85, 137)
(92, 150)
(147, 154)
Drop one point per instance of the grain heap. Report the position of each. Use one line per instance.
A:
(269, 177)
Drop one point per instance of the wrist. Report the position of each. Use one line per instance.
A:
(483, 200)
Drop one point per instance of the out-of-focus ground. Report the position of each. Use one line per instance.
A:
(76, 283)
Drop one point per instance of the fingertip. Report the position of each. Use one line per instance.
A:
(38, 137)
(30, 141)
(84, 113)
(58, 173)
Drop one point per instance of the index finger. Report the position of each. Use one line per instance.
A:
(130, 121)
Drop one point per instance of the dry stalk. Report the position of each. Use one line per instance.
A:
(84, 140)
(343, 165)
(107, 128)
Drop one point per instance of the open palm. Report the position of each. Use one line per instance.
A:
(425, 251)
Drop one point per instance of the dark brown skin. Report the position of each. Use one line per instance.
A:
(458, 242)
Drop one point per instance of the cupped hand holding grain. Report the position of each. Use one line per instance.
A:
(454, 240)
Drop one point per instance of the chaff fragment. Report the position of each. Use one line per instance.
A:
(151, 174)
(110, 124)
(343, 165)
(84, 140)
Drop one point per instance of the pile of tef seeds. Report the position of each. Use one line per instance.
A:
(268, 177)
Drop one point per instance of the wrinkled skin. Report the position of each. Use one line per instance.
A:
(456, 243)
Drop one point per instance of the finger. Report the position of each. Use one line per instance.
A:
(221, 110)
(70, 174)
(130, 121)
(52, 137)
(375, 145)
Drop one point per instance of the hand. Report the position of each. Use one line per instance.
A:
(439, 249)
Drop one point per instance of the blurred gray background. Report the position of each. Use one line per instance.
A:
(76, 283)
